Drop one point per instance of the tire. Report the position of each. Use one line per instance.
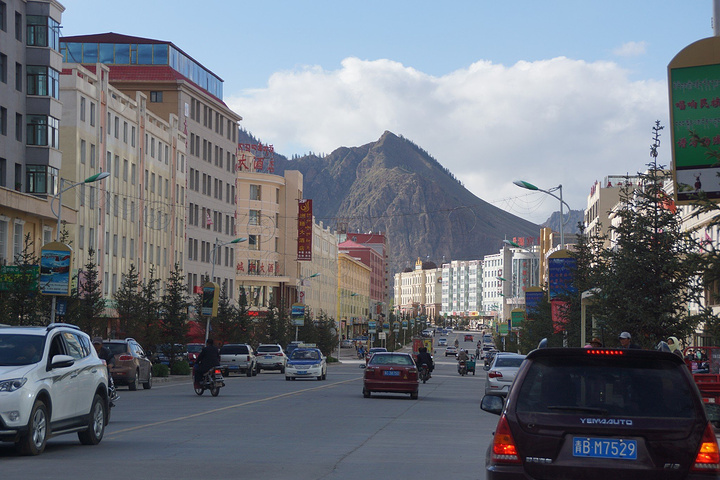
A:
(215, 391)
(287, 378)
(33, 442)
(282, 369)
(96, 425)
(366, 393)
(135, 382)
(324, 375)
(199, 391)
(319, 377)
(249, 372)
(148, 385)
(414, 396)
(257, 370)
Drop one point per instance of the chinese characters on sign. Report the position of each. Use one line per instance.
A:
(305, 224)
(256, 157)
(695, 97)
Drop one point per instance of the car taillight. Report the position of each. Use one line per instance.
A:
(708, 456)
(494, 374)
(247, 359)
(218, 371)
(125, 358)
(604, 351)
(503, 448)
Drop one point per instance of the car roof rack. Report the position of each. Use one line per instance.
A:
(58, 325)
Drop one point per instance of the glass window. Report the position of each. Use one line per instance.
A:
(3, 240)
(253, 242)
(43, 130)
(17, 239)
(44, 32)
(3, 68)
(156, 97)
(122, 54)
(3, 16)
(90, 53)
(75, 348)
(106, 53)
(45, 81)
(254, 217)
(255, 192)
(160, 54)
(144, 55)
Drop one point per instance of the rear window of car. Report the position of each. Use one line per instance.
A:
(234, 350)
(116, 348)
(268, 348)
(508, 361)
(380, 359)
(194, 348)
(631, 387)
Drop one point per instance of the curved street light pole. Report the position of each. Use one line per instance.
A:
(212, 274)
(94, 178)
(563, 221)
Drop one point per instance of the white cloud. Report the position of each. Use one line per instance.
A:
(631, 49)
(549, 122)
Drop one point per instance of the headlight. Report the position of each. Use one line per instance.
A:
(12, 384)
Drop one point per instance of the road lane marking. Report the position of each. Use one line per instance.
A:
(228, 407)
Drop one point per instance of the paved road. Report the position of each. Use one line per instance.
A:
(267, 428)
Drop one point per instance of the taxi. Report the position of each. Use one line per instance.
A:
(306, 361)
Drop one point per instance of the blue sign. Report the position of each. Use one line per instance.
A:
(533, 299)
(560, 273)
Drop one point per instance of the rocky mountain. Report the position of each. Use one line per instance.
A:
(393, 186)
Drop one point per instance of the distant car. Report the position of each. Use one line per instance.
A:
(373, 351)
(442, 342)
(132, 365)
(427, 332)
(501, 373)
(51, 382)
(601, 413)
(451, 350)
(391, 372)
(346, 344)
(193, 350)
(468, 338)
(306, 362)
(162, 353)
(238, 357)
(270, 357)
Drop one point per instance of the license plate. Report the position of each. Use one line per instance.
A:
(391, 373)
(302, 373)
(605, 448)
(268, 357)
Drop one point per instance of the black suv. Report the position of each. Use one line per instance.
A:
(601, 413)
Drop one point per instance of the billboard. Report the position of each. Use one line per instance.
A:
(561, 268)
(694, 90)
(297, 314)
(55, 265)
(210, 298)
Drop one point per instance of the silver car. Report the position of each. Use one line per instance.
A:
(500, 375)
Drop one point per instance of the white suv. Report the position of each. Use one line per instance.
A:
(51, 382)
(270, 356)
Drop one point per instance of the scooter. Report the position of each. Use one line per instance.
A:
(462, 367)
(424, 372)
(212, 380)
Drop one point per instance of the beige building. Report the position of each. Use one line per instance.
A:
(320, 292)
(419, 291)
(353, 295)
(136, 215)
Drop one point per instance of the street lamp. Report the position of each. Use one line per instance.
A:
(530, 186)
(94, 178)
(212, 273)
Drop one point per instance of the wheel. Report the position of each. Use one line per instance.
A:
(257, 370)
(249, 372)
(414, 395)
(293, 378)
(319, 377)
(282, 369)
(96, 425)
(287, 378)
(324, 375)
(135, 382)
(33, 442)
(215, 391)
(199, 390)
(366, 393)
(148, 385)
(424, 379)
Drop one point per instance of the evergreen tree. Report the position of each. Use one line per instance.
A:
(174, 305)
(245, 323)
(86, 307)
(148, 332)
(225, 325)
(20, 299)
(129, 303)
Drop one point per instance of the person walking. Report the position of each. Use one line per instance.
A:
(626, 341)
(674, 345)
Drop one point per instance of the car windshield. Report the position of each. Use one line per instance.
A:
(194, 348)
(234, 350)
(509, 361)
(19, 349)
(609, 385)
(268, 349)
(380, 359)
(304, 355)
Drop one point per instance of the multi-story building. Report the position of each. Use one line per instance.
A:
(353, 295)
(418, 291)
(602, 199)
(30, 112)
(373, 259)
(175, 83)
(462, 289)
(137, 214)
(380, 281)
(320, 291)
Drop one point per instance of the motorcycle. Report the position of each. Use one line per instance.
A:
(462, 367)
(424, 372)
(212, 380)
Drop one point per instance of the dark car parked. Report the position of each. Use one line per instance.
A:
(599, 414)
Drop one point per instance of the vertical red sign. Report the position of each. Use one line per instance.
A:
(305, 224)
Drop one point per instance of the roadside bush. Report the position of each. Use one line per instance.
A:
(181, 368)
(160, 370)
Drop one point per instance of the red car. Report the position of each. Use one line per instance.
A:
(391, 372)
(468, 338)
(193, 350)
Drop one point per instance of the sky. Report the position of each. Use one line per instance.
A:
(554, 92)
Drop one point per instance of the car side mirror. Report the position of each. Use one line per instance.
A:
(492, 403)
(362, 365)
(62, 361)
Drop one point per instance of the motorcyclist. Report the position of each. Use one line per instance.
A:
(208, 358)
(457, 343)
(463, 356)
(424, 357)
(104, 353)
